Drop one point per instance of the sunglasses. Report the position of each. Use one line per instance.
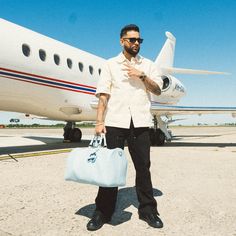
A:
(133, 40)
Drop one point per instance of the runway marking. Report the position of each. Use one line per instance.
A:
(32, 154)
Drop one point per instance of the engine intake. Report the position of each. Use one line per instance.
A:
(166, 82)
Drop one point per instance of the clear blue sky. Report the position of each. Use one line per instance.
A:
(205, 32)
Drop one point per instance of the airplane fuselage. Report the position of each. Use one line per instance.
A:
(48, 78)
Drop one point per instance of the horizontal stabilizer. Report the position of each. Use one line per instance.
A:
(174, 70)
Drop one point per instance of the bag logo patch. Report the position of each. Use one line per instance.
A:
(120, 153)
(92, 157)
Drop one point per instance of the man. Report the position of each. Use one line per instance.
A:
(124, 114)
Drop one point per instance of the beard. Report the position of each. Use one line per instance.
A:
(132, 51)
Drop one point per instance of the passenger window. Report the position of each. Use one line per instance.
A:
(99, 71)
(69, 63)
(42, 54)
(26, 50)
(56, 59)
(91, 70)
(81, 66)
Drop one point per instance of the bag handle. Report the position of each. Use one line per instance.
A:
(96, 141)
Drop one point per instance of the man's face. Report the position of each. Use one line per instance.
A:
(130, 44)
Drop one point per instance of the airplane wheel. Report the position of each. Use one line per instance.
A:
(76, 135)
(157, 137)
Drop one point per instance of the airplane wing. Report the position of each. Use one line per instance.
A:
(169, 110)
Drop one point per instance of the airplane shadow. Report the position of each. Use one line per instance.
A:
(197, 144)
(196, 136)
(177, 142)
(126, 197)
(49, 144)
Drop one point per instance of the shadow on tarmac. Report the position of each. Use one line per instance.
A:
(177, 141)
(196, 136)
(126, 197)
(57, 144)
(197, 144)
(49, 144)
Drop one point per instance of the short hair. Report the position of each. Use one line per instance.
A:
(127, 28)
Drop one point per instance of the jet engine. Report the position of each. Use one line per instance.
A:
(172, 90)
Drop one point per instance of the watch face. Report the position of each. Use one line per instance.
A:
(142, 76)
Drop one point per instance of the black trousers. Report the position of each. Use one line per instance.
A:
(139, 147)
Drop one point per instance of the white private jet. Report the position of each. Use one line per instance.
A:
(50, 79)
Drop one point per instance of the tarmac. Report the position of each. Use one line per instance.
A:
(194, 183)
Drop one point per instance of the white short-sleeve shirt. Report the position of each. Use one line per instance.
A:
(128, 96)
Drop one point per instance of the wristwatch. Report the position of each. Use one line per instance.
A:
(142, 76)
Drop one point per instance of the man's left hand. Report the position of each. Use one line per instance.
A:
(132, 72)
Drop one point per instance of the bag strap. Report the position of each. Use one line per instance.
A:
(97, 141)
(104, 140)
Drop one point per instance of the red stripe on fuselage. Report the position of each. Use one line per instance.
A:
(53, 86)
(43, 77)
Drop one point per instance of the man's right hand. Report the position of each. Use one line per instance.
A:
(99, 129)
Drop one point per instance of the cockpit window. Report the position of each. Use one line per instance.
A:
(26, 50)
(42, 54)
(99, 71)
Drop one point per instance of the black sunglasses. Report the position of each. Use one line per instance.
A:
(133, 40)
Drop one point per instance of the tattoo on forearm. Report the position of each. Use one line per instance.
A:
(152, 86)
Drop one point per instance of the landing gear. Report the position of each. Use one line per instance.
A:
(71, 134)
(75, 135)
(157, 137)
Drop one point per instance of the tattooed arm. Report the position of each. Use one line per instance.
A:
(102, 105)
(151, 85)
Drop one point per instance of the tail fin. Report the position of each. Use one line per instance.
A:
(166, 55)
(165, 60)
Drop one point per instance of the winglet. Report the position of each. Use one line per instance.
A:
(170, 36)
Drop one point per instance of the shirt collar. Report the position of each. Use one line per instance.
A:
(121, 58)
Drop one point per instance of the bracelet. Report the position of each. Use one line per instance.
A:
(99, 124)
